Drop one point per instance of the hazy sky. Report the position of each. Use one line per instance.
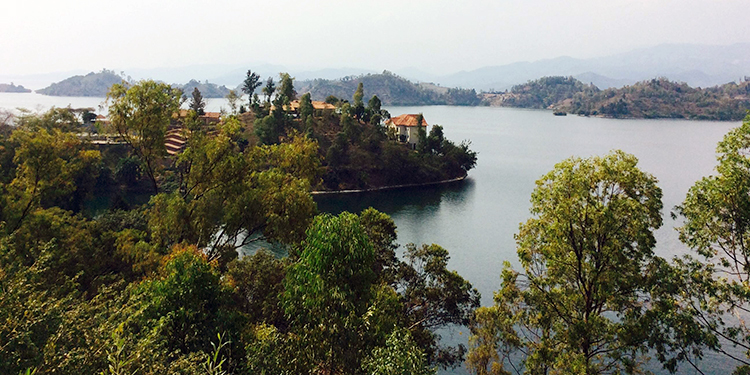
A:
(39, 36)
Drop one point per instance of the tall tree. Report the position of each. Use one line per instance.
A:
(358, 109)
(577, 307)
(715, 278)
(251, 82)
(197, 103)
(233, 99)
(286, 87)
(140, 114)
(269, 89)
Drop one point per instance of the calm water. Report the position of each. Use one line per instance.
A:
(39, 103)
(475, 220)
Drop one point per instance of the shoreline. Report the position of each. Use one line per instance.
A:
(391, 187)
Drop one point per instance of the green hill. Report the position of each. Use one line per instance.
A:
(92, 84)
(391, 89)
(662, 98)
(208, 90)
(545, 92)
(656, 98)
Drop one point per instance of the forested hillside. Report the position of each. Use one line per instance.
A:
(661, 98)
(208, 90)
(656, 98)
(391, 89)
(92, 84)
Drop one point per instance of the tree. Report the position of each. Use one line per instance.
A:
(140, 114)
(52, 167)
(585, 252)
(358, 109)
(305, 107)
(228, 198)
(717, 226)
(434, 297)
(373, 108)
(233, 100)
(269, 89)
(331, 296)
(286, 87)
(422, 133)
(197, 103)
(250, 84)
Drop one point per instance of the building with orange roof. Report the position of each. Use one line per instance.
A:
(406, 128)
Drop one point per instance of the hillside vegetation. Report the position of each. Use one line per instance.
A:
(391, 89)
(662, 98)
(656, 98)
(208, 90)
(92, 84)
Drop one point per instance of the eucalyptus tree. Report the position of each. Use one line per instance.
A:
(714, 289)
(585, 253)
(250, 84)
(140, 114)
(269, 89)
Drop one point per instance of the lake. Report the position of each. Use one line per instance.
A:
(476, 219)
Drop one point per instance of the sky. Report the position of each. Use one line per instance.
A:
(435, 36)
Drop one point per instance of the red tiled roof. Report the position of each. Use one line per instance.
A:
(406, 120)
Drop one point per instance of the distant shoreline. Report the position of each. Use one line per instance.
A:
(391, 187)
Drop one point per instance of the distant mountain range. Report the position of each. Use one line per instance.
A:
(694, 64)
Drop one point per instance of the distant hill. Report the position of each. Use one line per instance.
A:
(662, 98)
(655, 98)
(4, 87)
(541, 93)
(208, 90)
(92, 84)
(390, 88)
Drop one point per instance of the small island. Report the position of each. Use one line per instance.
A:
(4, 87)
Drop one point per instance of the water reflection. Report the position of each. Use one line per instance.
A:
(420, 202)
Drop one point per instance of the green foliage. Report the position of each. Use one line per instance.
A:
(229, 198)
(286, 87)
(401, 355)
(269, 89)
(257, 282)
(250, 84)
(714, 281)
(330, 295)
(233, 100)
(197, 103)
(585, 253)
(140, 114)
(52, 167)
(435, 297)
